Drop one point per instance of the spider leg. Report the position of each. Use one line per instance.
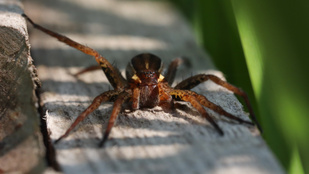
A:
(166, 100)
(172, 68)
(136, 98)
(113, 75)
(193, 81)
(205, 102)
(106, 96)
(187, 96)
(171, 71)
(116, 109)
(88, 69)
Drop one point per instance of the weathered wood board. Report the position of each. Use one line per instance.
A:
(143, 141)
(21, 143)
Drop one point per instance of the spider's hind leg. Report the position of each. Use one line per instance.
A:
(172, 68)
(188, 97)
(113, 74)
(205, 102)
(171, 71)
(193, 81)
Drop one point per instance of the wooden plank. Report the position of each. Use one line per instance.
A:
(21, 144)
(143, 141)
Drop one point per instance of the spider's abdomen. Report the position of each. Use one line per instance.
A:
(144, 65)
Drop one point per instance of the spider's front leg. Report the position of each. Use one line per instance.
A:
(122, 97)
(188, 97)
(113, 75)
(104, 97)
(193, 81)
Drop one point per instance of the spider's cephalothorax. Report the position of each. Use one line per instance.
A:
(146, 87)
(143, 74)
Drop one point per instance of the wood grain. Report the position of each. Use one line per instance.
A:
(143, 141)
(21, 144)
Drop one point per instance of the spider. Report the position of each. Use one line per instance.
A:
(146, 87)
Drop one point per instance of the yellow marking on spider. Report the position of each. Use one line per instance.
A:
(136, 78)
(161, 78)
(147, 64)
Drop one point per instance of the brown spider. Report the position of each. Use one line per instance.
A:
(146, 87)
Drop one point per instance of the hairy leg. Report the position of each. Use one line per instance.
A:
(106, 96)
(205, 102)
(193, 81)
(116, 109)
(113, 75)
(171, 71)
(187, 96)
(172, 68)
(136, 98)
(166, 100)
(88, 69)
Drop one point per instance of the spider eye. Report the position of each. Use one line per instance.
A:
(147, 74)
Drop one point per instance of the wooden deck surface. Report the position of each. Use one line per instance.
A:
(143, 141)
(21, 144)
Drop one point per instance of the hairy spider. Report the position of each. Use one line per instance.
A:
(146, 87)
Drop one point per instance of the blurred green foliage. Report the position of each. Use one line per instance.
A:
(268, 39)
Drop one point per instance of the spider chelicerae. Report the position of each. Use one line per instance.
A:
(146, 87)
